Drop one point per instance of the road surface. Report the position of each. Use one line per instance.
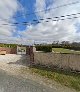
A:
(10, 83)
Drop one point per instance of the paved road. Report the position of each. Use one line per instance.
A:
(10, 83)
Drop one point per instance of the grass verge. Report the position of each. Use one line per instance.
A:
(63, 50)
(68, 79)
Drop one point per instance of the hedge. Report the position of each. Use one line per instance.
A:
(45, 48)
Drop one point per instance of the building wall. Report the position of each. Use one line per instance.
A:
(65, 61)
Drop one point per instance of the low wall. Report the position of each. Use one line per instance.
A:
(9, 50)
(65, 61)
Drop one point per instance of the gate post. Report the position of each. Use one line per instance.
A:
(32, 50)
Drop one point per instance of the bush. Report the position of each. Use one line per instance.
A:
(45, 48)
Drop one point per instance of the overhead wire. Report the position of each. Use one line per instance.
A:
(62, 17)
(28, 14)
(70, 16)
(72, 3)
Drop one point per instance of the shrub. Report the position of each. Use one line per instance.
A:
(45, 48)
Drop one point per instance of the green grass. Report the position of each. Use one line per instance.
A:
(68, 79)
(63, 50)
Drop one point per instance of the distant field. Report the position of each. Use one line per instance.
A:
(63, 50)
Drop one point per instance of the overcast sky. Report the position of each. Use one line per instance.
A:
(67, 30)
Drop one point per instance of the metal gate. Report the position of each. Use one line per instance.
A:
(21, 50)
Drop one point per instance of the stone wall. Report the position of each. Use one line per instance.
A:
(29, 50)
(31, 54)
(65, 61)
(9, 50)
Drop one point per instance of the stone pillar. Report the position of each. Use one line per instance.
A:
(32, 54)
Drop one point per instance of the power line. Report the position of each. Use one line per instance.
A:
(51, 8)
(72, 3)
(62, 17)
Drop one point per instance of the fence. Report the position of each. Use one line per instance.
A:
(64, 61)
